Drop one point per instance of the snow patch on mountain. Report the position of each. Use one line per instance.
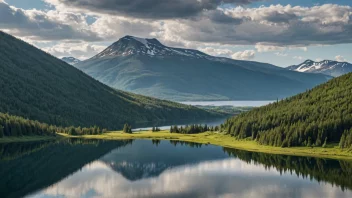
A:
(142, 40)
(329, 67)
(130, 45)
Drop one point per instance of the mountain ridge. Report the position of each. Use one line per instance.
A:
(129, 45)
(328, 67)
(147, 67)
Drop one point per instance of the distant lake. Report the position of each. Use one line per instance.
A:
(229, 103)
(167, 125)
(145, 168)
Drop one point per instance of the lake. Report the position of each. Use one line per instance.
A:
(167, 125)
(210, 122)
(229, 103)
(146, 168)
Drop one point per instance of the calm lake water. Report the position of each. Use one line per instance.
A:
(229, 103)
(145, 168)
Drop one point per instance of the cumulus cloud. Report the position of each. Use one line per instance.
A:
(184, 23)
(340, 58)
(217, 52)
(81, 51)
(152, 9)
(40, 25)
(241, 55)
(245, 55)
(277, 25)
(114, 27)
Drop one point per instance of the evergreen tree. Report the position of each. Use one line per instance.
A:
(314, 118)
(1, 131)
(127, 128)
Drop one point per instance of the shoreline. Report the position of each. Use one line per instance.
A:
(331, 152)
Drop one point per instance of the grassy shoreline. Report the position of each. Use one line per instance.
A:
(332, 151)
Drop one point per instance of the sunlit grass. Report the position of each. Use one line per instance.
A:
(331, 151)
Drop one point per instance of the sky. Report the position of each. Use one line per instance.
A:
(280, 32)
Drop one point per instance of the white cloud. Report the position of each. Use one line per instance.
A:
(275, 28)
(281, 54)
(298, 57)
(81, 51)
(217, 52)
(245, 55)
(268, 48)
(340, 58)
(40, 25)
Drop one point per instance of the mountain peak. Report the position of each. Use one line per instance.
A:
(329, 67)
(308, 61)
(131, 45)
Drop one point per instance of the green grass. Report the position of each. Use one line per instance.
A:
(332, 151)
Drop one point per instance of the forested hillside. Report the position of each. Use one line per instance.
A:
(38, 86)
(312, 118)
(18, 126)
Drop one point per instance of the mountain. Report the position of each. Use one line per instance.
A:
(147, 67)
(143, 160)
(328, 67)
(71, 60)
(318, 116)
(38, 86)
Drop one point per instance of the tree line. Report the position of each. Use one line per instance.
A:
(313, 118)
(346, 139)
(192, 129)
(18, 126)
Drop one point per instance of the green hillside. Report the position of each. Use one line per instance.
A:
(312, 118)
(38, 86)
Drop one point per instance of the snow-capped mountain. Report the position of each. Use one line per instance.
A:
(71, 60)
(147, 67)
(130, 45)
(328, 67)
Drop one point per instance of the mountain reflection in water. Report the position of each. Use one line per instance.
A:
(145, 168)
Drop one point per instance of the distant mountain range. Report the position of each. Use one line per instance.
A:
(38, 86)
(328, 67)
(71, 60)
(147, 67)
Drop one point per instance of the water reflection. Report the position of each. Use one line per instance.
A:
(173, 169)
